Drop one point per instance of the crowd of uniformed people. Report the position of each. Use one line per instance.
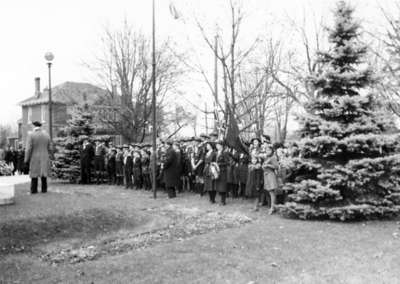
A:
(204, 165)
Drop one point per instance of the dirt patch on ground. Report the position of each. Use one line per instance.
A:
(185, 223)
(22, 235)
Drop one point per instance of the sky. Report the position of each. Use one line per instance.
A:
(72, 31)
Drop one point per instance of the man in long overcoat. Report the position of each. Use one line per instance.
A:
(37, 154)
(87, 156)
(172, 170)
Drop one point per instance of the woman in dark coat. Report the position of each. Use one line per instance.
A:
(111, 166)
(230, 179)
(9, 156)
(254, 178)
(233, 173)
(119, 167)
(197, 166)
(137, 170)
(172, 170)
(128, 167)
(146, 170)
(86, 157)
(20, 160)
(222, 159)
(243, 170)
(209, 183)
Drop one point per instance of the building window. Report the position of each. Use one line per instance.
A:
(29, 114)
(43, 113)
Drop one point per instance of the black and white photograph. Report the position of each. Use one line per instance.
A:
(200, 141)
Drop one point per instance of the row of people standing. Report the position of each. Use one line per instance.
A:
(126, 165)
(254, 175)
(15, 159)
(204, 165)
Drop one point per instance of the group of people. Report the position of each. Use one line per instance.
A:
(14, 158)
(127, 165)
(205, 165)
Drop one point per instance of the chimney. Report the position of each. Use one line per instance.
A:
(37, 86)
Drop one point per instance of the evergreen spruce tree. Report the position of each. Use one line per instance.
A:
(348, 168)
(67, 156)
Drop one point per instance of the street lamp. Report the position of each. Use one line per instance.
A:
(49, 58)
(154, 156)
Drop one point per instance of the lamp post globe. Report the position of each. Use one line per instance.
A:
(49, 56)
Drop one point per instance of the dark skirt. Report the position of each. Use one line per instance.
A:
(209, 184)
(99, 163)
(254, 182)
(243, 172)
(221, 182)
(119, 168)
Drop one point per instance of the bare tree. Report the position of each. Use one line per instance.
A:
(385, 49)
(298, 65)
(231, 56)
(178, 119)
(126, 64)
(6, 130)
(263, 102)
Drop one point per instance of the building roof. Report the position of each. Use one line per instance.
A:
(69, 93)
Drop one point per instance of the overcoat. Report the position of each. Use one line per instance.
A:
(254, 180)
(128, 165)
(186, 165)
(87, 155)
(37, 153)
(233, 168)
(137, 168)
(9, 157)
(209, 184)
(198, 155)
(172, 168)
(222, 160)
(20, 160)
(119, 164)
(243, 168)
(270, 167)
(111, 165)
(146, 167)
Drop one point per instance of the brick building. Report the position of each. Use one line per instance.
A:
(65, 97)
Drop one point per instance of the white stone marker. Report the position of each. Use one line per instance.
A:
(7, 192)
(7, 187)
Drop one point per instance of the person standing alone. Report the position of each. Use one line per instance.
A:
(37, 154)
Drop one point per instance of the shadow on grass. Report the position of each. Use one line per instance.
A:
(22, 235)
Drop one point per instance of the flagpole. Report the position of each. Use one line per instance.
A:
(215, 81)
(154, 160)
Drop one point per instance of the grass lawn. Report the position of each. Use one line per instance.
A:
(106, 234)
